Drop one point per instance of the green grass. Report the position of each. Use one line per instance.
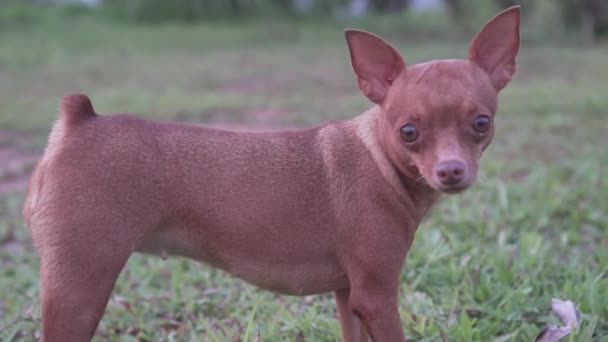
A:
(484, 265)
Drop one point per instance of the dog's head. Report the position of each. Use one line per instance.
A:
(437, 117)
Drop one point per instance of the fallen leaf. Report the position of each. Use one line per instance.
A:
(552, 333)
(566, 311)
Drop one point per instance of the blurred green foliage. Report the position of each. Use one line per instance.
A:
(554, 20)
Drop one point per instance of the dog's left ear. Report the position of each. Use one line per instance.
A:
(495, 47)
(376, 63)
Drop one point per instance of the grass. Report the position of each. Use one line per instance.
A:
(484, 265)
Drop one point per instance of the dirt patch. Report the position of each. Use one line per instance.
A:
(16, 163)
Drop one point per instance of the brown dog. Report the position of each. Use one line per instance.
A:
(331, 208)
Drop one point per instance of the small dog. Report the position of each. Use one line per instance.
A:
(330, 208)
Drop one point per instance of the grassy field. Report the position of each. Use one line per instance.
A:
(484, 266)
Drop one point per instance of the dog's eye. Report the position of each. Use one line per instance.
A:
(481, 124)
(409, 133)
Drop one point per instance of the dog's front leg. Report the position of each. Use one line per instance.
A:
(379, 312)
(373, 266)
(352, 329)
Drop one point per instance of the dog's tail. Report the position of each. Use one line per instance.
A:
(76, 108)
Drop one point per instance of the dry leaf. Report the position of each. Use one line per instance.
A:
(566, 311)
(552, 333)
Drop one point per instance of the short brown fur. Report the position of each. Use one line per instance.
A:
(331, 208)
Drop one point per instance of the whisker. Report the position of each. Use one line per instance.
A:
(421, 180)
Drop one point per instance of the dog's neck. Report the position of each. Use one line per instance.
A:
(408, 186)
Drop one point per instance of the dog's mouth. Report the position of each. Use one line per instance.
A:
(453, 189)
(449, 189)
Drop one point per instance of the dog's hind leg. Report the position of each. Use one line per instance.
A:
(75, 288)
(82, 253)
(77, 275)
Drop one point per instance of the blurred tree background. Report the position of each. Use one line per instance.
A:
(583, 21)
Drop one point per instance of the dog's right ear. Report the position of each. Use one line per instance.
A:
(376, 63)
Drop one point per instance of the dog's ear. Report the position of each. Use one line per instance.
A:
(376, 63)
(495, 47)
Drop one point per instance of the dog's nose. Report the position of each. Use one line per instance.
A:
(450, 172)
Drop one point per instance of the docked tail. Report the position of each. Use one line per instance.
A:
(75, 108)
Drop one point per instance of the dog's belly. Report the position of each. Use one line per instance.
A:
(291, 278)
(284, 269)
